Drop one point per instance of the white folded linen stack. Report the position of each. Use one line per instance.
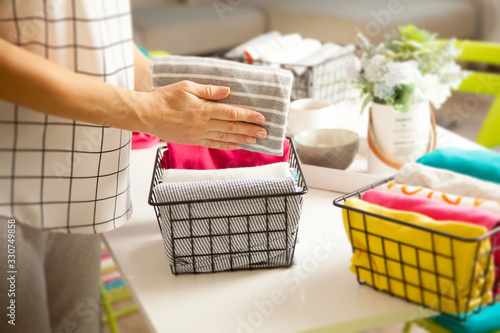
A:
(239, 50)
(293, 50)
(274, 170)
(293, 55)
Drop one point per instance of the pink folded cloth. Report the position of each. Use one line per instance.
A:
(201, 158)
(439, 211)
(142, 140)
(110, 277)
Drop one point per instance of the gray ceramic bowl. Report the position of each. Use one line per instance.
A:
(330, 148)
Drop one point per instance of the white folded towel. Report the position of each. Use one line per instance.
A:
(331, 57)
(238, 51)
(258, 51)
(291, 55)
(447, 181)
(327, 51)
(275, 170)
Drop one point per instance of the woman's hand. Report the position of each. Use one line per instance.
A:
(185, 113)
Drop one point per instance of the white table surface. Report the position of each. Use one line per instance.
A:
(318, 294)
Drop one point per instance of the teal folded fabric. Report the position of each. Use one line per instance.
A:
(482, 164)
(487, 321)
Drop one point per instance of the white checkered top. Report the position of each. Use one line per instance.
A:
(58, 174)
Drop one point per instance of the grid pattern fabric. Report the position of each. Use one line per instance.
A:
(58, 174)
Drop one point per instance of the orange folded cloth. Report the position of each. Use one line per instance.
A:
(449, 198)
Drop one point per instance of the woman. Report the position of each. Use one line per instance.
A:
(72, 87)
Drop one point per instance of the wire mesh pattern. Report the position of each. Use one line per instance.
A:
(262, 235)
(425, 275)
(322, 81)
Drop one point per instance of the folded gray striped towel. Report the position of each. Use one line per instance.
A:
(263, 89)
(227, 234)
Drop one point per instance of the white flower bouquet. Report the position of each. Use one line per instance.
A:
(412, 66)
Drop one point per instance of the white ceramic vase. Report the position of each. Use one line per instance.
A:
(399, 136)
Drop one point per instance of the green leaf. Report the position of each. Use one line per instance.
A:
(405, 97)
(367, 99)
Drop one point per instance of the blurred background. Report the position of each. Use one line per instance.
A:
(207, 27)
(199, 27)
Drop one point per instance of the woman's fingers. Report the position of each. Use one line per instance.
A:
(236, 127)
(217, 144)
(233, 138)
(188, 115)
(235, 113)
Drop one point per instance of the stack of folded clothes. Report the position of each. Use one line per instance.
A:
(289, 49)
(453, 192)
(216, 231)
(332, 63)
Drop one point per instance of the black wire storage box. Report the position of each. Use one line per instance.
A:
(327, 80)
(427, 285)
(260, 235)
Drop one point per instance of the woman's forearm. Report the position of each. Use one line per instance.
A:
(34, 82)
(182, 112)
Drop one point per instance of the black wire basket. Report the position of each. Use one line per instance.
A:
(258, 235)
(320, 81)
(448, 297)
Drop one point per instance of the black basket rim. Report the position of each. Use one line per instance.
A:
(151, 201)
(338, 203)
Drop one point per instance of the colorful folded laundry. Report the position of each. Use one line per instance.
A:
(451, 199)
(111, 277)
(436, 210)
(446, 268)
(256, 52)
(439, 211)
(201, 158)
(483, 164)
(447, 181)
